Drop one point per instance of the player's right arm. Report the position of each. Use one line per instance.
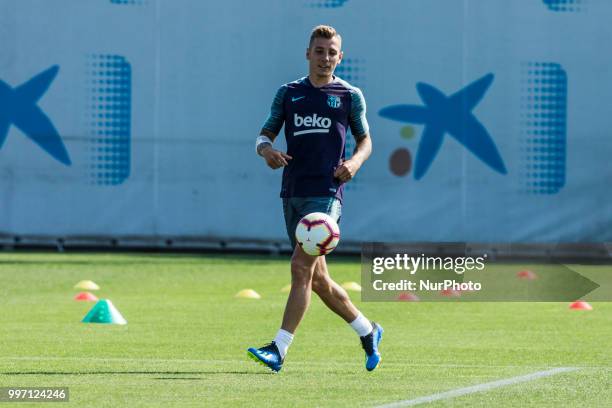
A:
(272, 126)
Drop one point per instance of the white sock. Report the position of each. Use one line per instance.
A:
(361, 325)
(283, 340)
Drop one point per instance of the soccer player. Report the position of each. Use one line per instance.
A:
(316, 111)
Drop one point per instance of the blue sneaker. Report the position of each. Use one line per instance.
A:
(268, 356)
(370, 345)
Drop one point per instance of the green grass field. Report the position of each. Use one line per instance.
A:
(186, 339)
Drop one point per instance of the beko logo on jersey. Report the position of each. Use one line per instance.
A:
(320, 123)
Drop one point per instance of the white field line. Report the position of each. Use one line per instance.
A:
(478, 388)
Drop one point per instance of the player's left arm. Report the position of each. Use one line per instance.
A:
(360, 130)
(350, 167)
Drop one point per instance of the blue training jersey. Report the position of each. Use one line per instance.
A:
(316, 120)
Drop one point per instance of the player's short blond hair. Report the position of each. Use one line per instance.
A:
(323, 31)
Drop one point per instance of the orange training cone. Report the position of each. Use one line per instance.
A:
(450, 293)
(526, 274)
(86, 297)
(580, 305)
(408, 297)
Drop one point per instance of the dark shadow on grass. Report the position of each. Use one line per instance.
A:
(135, 372)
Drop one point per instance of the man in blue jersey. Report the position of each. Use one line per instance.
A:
(316, 111)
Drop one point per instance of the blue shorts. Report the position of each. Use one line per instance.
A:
(295, 208)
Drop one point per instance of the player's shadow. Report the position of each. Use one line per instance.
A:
(171, 373)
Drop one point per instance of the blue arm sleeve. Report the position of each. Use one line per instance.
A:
(358, 122)
(275, 120)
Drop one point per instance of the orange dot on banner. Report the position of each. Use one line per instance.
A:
(400, 162)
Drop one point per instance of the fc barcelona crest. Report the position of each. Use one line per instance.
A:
(333, 101)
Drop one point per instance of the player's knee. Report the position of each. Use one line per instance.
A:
(301, 271)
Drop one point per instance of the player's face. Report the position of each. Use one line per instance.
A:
(323, 56)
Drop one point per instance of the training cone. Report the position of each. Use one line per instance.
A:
(248, 294)
(408, 297)
(450, 293)
(86, 297)
(286, 289)
(526, 274)
(104, 312)
(580, 305)
(354, 286)
(86, 285)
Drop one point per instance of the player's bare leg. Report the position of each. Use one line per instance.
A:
(336, 299)
(310, 273)
(302, 271)
(333, 295)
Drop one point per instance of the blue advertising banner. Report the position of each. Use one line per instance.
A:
(489, 118)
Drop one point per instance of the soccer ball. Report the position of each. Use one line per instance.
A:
(317, 233)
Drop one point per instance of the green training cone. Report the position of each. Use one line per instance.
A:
(104, 312)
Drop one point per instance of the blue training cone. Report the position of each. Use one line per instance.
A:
(104, 312)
